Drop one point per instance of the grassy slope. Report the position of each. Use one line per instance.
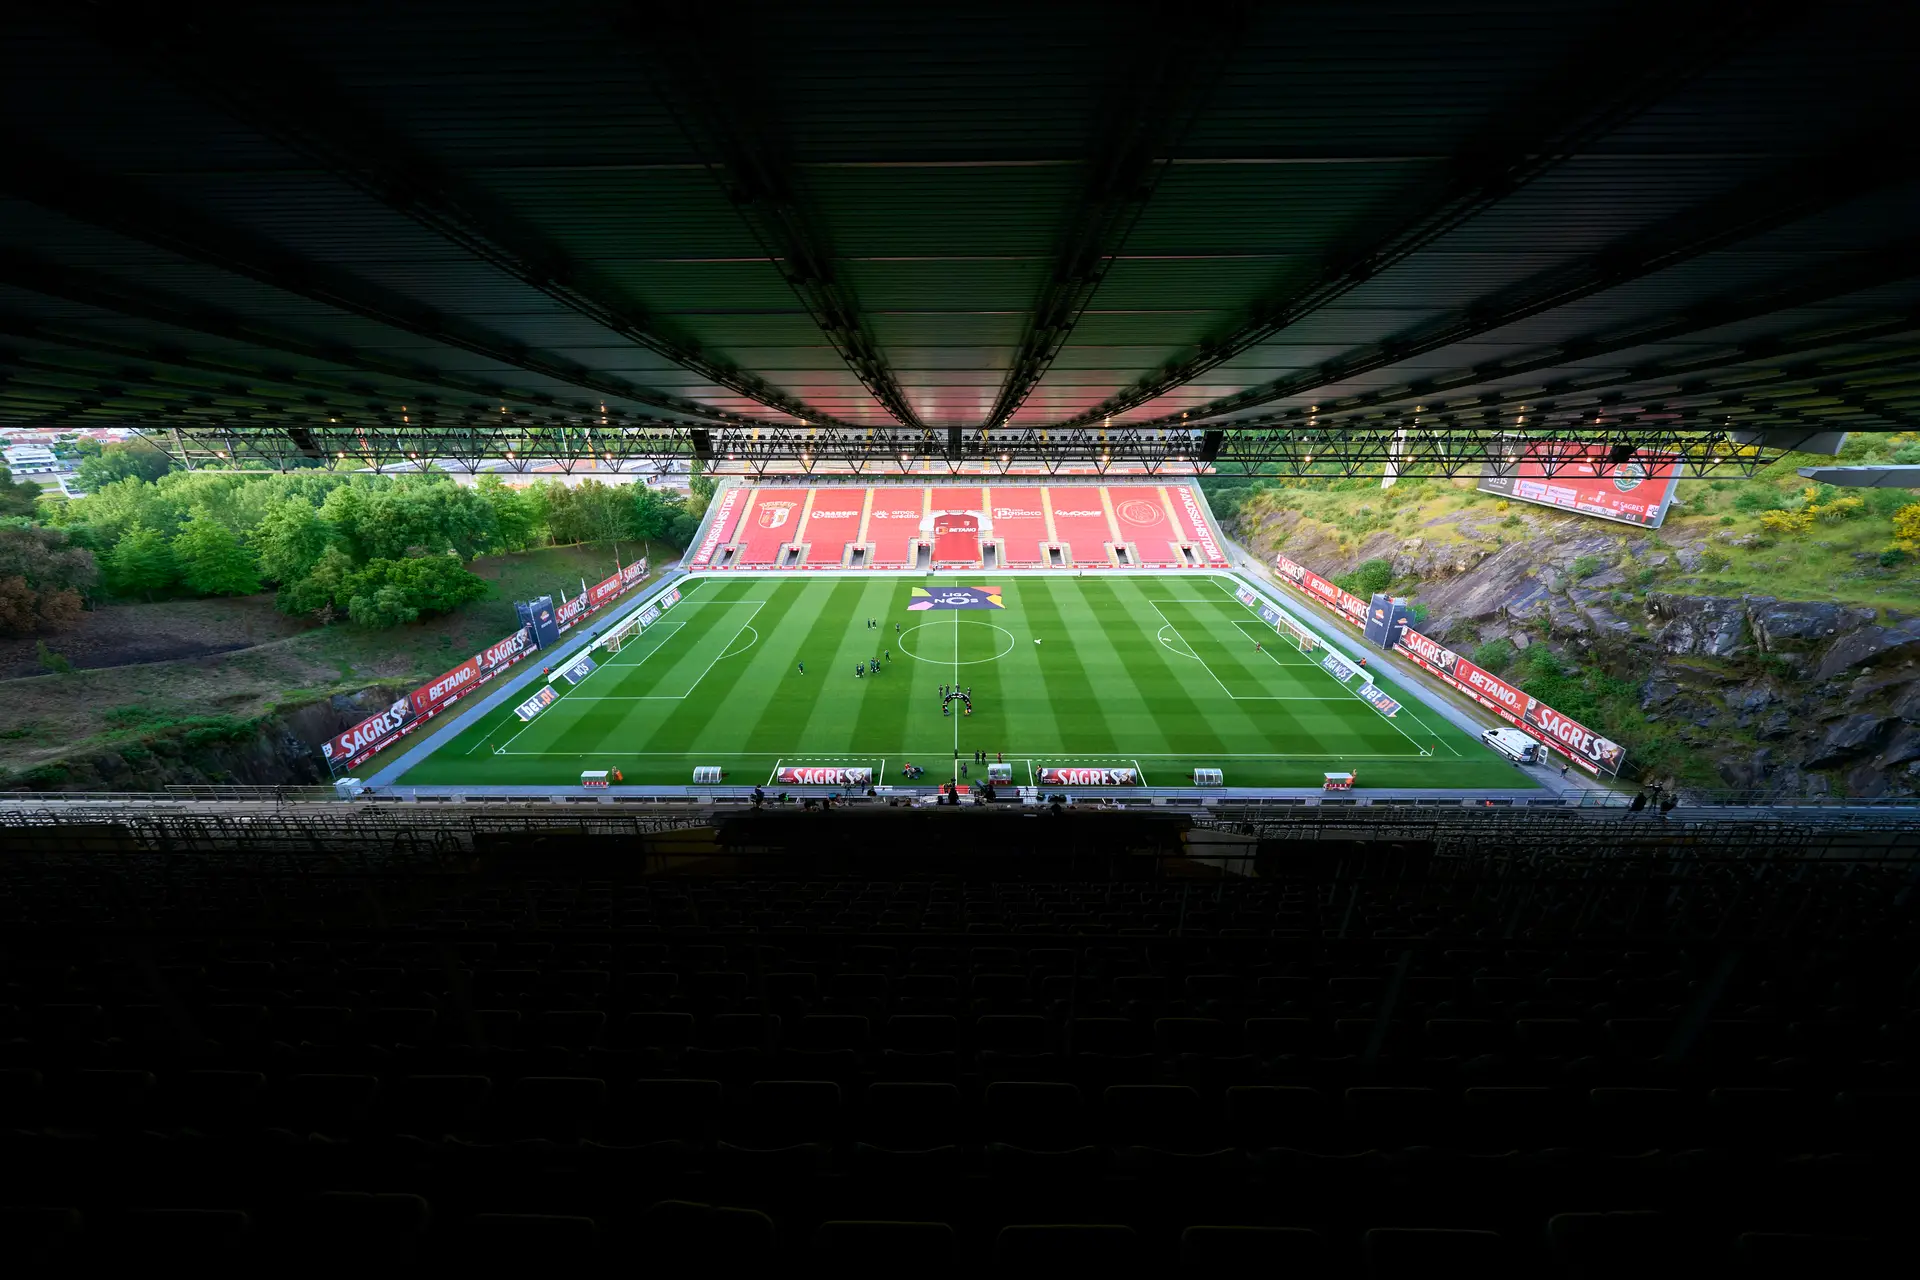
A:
(51, 717)
(1158, 670)
(1835, 561)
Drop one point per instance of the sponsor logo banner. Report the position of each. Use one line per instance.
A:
(1345, 603)
(634, 572)
(824, 776)
(1246, 597)
(924, 598)
(721, 526)
(601, 592)
(499, 655)
(1338, 667)
(1269, 615)
(429, 697)
(1432, 653)
(1490, 688)
(1573, 738)
(1381, 702)
(1578, 477)
(1201, 529)
(569, 612)
(649, 616)
(669, 598)
(356, 744)
(1089, 777)
(537, 703)
(577, 670)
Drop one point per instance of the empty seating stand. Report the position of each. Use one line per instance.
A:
(958, 1076)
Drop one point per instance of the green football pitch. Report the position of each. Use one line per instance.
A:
(1159, 674)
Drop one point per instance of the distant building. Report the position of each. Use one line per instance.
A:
(31, 459)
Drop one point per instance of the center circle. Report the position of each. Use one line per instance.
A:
(943, 632)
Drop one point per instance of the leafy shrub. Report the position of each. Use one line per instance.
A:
(1907, 455)
(1715, 561)
(1419, 613)
(1726, 519)
(1888, 502)
(1836, 510)
(1906, 528)
(1368, 579)
(1893, 556)
(1585, 567)
(58, 663)
(1758, 498)
(1495, 656)
(128, 716)
(1787, 521)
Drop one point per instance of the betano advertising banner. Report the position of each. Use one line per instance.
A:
(1578, 477)
(601, 592)
(1349, 606)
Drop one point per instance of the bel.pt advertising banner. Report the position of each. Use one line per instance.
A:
(537, 703)
(1380, 701)
(1578, 477)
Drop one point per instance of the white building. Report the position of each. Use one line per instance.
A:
(31, 459)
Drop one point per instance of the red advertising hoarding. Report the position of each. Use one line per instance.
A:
(1580, 477)
(1349, 606)
(1567, 736)
(601, 592)
(344, 750)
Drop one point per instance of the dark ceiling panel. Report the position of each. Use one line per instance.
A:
(939, 150)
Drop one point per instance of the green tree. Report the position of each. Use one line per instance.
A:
(681, 531)
(517, 513)
(290, 541)
(386, 593)
(700, 483)
(142, 564)
(136, 459)
(43, 579)
(381, 607)
(653, 513)
(16, 496)
(212, 560)
(323, 591)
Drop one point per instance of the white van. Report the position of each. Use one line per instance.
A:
(1514, 745)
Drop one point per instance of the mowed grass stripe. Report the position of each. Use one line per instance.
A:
(1058, 613)
(1150, 712)
(1189, 715)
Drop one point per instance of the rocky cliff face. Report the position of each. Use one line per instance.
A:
(1786, 696)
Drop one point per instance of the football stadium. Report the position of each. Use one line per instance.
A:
(868, 639)
(851, 680)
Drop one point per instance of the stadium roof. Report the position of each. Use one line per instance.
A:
(763, 221)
